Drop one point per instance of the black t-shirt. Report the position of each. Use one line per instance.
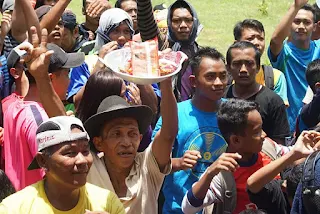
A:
(271, 198)
(272, 110)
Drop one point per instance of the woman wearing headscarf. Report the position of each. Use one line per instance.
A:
(114, 31)
(183, 28)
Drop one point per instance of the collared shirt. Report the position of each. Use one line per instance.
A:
(144, 182)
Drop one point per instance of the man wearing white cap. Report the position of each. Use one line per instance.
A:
(64, 154)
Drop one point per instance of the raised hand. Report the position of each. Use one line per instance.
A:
(227, 162)
(189, 159)
(97, 7)
(306, 142)
(300, 3)
(133, 94)
(107, 48)
(37, 58)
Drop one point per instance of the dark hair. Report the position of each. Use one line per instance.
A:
(316, 12)
(310, 8)
(100, 85)
(119, 2)
(6, 187)
(242, 45)
(180, 4)
(313, 74)
(233, 116)
(31, 79)
(293, 177)
(212, 53)
(245, 24)
(39, 3)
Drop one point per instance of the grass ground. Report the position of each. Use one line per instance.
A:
(220, 16)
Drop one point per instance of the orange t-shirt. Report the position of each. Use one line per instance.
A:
(241, 176)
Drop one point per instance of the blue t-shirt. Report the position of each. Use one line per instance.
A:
(78, 78)
(293, 62)
(199, 131)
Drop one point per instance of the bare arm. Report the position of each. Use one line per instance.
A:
(302, 148)
(6, 21)
(51, 19)
(19, 29)
(164, 139)
(282, 31)
(24, 17)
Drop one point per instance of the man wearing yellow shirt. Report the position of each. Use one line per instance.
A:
(252, 30)
(64, 155)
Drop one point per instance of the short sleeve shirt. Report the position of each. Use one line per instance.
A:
(33, 200)
(272, 110)
(144, 182)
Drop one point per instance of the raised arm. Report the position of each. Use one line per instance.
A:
(24, 17)
(302, 148)
(164, 139)
(147, 25)
(38, 60)
(282, 31)
(51, 19)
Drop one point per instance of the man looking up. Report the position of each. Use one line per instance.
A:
(293, 55)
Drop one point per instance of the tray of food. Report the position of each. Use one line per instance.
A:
(143, 64)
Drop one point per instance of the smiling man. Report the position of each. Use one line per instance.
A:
(243, 62)
(198, 130)
(64, 154)
(292, 56)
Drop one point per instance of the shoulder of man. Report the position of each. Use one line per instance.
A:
(22, 200)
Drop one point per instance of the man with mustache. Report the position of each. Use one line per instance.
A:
(293, 55)
(243, 62)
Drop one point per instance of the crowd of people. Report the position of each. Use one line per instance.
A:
(227, 134)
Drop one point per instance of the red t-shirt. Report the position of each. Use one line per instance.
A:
(241, 176)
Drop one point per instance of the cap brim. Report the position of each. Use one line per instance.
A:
(74, 60)
(143, 115)
(34, 164)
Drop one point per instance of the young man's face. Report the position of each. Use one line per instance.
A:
(130, 6)
(70, 162)
(243, 66)
(255, 37)
(119, 140)
(68, 39)
(55, 36)
(60, 82)
(121, 34)
(211, 79)
(302, 26)
(253, 137)
(182, 22)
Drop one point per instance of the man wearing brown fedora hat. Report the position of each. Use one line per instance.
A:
(116, 131)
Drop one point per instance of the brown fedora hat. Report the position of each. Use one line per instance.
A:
(114, 107)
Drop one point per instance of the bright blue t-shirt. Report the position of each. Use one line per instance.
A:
(199, 131)
(78, 78)
(293, 62)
